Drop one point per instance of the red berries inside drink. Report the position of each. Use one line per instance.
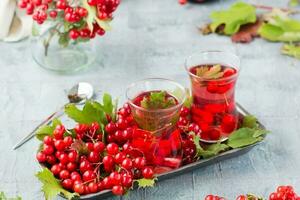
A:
(214, 110)
(156, 113)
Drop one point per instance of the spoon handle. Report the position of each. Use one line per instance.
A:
(47, 121)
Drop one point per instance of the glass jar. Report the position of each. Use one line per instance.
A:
(157, 136)
(54, 50)
(214, 108)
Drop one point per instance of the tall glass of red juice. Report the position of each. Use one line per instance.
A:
(155, 104)
(213, 76)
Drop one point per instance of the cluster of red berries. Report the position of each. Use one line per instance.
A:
(41, 10)
(85, 164)
(282, 193)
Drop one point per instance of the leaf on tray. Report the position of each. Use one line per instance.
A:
(245, 136)
(51, 186)
(247, 32)
(279, 27)
(210, 150)
(238, 14)
(249, 121)
(3, 197)
(47, 129)
(90, 113)
(291, 50)
(143, 182)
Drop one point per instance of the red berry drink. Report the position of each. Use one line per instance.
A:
(213, 81)
(155, 106)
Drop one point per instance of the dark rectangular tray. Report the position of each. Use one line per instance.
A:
(192, 166)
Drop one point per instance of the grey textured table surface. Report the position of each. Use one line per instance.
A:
(152, 38)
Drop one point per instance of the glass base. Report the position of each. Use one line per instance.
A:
(64, 60)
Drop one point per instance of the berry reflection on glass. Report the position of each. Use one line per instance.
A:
(155, 105)
(213, 77)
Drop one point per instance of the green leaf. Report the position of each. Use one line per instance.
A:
(210, 150)
(249, 121)
(291, 50)
(3, 197)
(280, 28)
(64, 39)
(51, 186)
(47, 129)
(92, 14)
(244, 137)
(104, 24)
(238, 14)
(207, 72)
(90, 113)
(143, 183)
(157, 100)
(108, 106)
(294, 3)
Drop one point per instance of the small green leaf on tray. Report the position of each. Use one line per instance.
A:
(157, 100)
(47, 129)
(291, 50)
(52, 187)
(211, 150)
(143, 183)
(249, 121)
(238, 14)
(245, 136)
(3, 197)
(207, 72)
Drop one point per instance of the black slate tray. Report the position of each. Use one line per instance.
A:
(189, 167)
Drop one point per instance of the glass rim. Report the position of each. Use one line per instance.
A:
(237, 68)
(161, 109)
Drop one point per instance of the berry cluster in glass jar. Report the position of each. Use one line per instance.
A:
(85, 164)
(73, 14)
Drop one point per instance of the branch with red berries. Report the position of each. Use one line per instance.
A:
(281, 193)
(77, 20)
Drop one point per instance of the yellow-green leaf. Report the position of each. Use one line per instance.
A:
(143, 183)
(291, 50)
(104, 24)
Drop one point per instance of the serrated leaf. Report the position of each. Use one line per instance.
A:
(143, 183)
(51, 186)
(47, 129)
(291, 50)
(89, 114)
(207, 72)
(245, 137)
(280, 28)
(3, 197)
(210, 150)
(238, 14)
(157, 100)
(249, 121)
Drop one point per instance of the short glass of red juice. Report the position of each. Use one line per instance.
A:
(213, 76)
(155, 105)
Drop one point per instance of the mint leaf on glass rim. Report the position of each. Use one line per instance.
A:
(158, 100)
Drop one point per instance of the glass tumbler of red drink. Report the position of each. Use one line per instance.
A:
(213, 76)
(155, 106)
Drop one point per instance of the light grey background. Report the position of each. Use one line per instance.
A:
(152, 38)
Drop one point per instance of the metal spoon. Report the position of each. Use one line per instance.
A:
(78, 94)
